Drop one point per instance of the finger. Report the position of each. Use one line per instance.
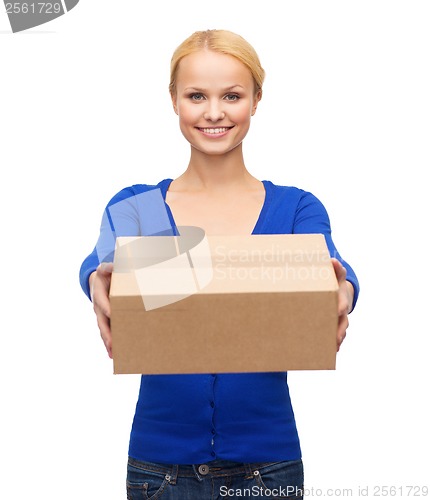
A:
(339, 270)
(108, 345)
(342, 326)
(341, 331)
(105, 332)
(103, 324)
(343, 303)
(102, 305)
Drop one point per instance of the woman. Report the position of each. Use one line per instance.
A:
(214, 435)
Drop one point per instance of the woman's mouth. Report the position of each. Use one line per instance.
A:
(214, 131)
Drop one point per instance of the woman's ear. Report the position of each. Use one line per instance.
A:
(174, 102)
(257, 99)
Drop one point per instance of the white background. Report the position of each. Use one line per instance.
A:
(84, 111)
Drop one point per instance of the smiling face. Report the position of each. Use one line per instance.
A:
(215, 98)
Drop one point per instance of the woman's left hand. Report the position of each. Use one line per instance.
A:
(346, 295)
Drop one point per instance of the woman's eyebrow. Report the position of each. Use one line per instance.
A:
(226, 89)
(194, 89)
(233, 87)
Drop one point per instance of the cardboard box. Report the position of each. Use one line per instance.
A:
(211, 304)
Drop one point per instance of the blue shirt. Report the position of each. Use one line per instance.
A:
(243, 417)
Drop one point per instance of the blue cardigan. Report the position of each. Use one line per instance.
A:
(244, 417)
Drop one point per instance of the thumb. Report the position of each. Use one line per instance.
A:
(339, 270)
(106, 267)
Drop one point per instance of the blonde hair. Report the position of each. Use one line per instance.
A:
(224, 42)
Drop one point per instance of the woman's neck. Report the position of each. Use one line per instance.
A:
(212, 173)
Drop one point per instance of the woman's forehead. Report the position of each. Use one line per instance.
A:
(206, 68)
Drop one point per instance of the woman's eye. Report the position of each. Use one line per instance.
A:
(197, 97)
(232, 97)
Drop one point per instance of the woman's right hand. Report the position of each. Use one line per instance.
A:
(99, 287)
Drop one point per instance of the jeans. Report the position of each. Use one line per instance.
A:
(216, 480)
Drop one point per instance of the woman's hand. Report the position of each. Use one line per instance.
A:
(99, 287)
(346, 295)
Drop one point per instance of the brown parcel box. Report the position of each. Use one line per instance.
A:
(213, 304)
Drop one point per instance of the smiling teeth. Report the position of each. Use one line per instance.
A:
(214, 130)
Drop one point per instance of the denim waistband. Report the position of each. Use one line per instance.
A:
(215, 468)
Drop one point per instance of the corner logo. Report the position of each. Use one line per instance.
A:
(24, 15)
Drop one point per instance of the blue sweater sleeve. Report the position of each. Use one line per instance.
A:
(312, 217)
(138, 210)
(120, 218)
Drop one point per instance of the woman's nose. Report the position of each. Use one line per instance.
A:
(214, 111)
